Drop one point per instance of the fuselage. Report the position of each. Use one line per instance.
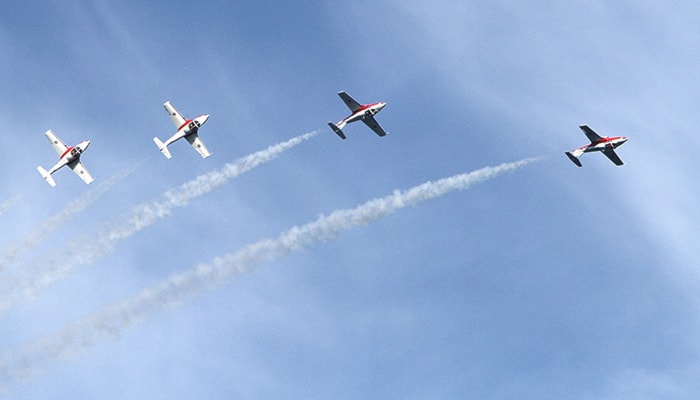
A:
(367, 110)
(191, 126)
(604, 143)
(71, 154)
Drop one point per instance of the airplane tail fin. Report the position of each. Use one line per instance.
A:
(47, 177)
(574, 159)
(162, 147)
(337, 130)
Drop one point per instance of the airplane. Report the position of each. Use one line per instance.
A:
(606, 145)
(186, 128)
(70, 156)
(364, 113)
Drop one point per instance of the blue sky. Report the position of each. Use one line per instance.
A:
(548, 282)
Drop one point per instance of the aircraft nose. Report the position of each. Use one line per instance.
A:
(205, 117)
(86, 143)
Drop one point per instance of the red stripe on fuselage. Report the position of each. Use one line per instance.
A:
(67, 151)
(359, 111)
(183, 125)
(609, 139)
(365, 106)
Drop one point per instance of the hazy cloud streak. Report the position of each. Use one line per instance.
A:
(7, 204)
(112, 320)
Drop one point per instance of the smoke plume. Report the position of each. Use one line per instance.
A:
(50, 268)
(111, 321)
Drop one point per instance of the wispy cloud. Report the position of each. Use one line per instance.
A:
(7, 204)
(111, 321)
(48, 269)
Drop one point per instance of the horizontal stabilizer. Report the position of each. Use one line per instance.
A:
(337, 130)
(162, 147)
(574, 159)
(47, 177)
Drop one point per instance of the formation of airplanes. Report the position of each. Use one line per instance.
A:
(70, 156)
(189, 129)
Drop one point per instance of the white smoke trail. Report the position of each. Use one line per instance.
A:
(85, 251)
(146, 214)
(12, 252)
(112, 320)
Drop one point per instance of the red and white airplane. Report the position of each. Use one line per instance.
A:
(606, 145)
(70, 156)
(364, 113)
(186, 128)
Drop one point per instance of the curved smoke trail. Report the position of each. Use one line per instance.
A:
(47, 270)
(111, 321)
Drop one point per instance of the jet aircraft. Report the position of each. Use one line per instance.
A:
(364, 113)
(186, 128)
(606, 145)
(69, 156)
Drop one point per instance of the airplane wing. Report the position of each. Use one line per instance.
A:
(56, 142)
(372, 123)
(80, 170)
(175, 115)
(198, 145)
(349, 101)
(613, 156)
(590, 133)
